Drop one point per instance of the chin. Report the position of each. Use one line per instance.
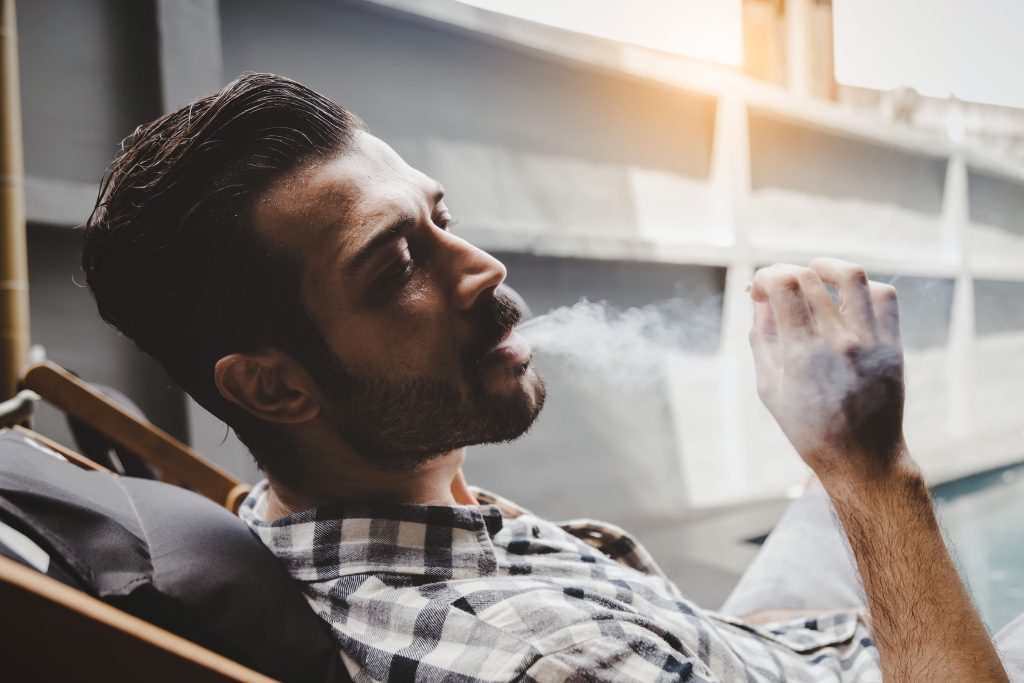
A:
(515, 405)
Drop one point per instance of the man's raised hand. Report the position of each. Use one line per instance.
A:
(832, 376)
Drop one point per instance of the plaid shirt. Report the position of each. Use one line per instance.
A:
(494, 593)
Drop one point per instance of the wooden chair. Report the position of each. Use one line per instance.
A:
(178, 464)
(54, 632)
(60, 633)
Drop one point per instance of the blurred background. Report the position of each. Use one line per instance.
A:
(636, 153)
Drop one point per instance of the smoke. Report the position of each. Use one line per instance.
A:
(624, 346)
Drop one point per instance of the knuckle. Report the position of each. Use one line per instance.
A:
(856, 275)
(789, 282)
(886, 292)
(807, 276)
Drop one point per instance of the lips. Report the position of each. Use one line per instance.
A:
(497, 341)
(511, 349)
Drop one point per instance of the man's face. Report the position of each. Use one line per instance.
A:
(424, 358)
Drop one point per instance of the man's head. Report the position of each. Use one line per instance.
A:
(291, 271)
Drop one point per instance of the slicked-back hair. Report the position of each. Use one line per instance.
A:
(170, 253)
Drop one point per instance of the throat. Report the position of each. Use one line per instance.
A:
(439, 482)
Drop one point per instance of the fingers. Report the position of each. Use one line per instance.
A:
(781, 288)
(851, 282)
(764, 335)
(802, 303)
(819, 301)
(764, 342)
(803, 307)
(887, 312)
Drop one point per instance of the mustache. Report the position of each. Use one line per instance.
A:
(496, 316)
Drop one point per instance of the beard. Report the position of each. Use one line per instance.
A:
(403, 423)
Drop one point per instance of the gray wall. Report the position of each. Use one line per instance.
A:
(791, 157)
(88, 78)
(996, 201)
(998, 306)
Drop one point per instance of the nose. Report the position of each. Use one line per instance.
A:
(475, 273)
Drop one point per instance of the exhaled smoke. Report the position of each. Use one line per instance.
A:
(624, 345)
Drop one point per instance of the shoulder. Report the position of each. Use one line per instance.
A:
(613, 541)
(508, 508)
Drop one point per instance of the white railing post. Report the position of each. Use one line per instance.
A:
(956, 245)
(731, 181)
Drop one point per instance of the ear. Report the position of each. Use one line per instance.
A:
(268, 384)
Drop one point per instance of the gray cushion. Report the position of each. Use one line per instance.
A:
(169, 556)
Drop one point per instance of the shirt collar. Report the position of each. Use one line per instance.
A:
(331, 541)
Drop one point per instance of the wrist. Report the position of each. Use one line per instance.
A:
(869, 476)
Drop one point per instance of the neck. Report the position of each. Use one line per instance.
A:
(437, 482)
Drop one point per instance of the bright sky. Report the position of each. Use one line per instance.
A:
(701, 29)
(973, 49)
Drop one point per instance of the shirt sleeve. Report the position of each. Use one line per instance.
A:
(614, 659)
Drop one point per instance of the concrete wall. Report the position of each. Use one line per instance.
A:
(88, 78)
(788, 156)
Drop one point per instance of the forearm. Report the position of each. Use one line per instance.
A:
(832, 376)
(923, 622)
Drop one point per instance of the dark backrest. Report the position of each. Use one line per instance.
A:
(169, 556)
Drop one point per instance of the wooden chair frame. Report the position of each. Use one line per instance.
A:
(178, 464)
(55, 632)
(65, 634)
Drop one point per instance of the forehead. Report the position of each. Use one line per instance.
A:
(342, 196)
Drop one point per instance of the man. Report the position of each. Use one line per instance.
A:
(300, 281)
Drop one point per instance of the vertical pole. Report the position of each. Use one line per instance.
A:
(711, 448)
(731, 173)
(956, 243)
(14, 329)
(956, 246)
(798, 28)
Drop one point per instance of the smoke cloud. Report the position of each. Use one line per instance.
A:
(624, 346)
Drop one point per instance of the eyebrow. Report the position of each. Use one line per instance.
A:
(392, 233)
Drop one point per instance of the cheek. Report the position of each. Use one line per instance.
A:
(411, 341)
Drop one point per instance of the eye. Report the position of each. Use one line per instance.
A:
(399, 270)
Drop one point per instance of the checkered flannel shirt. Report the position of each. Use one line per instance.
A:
(494, 593)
